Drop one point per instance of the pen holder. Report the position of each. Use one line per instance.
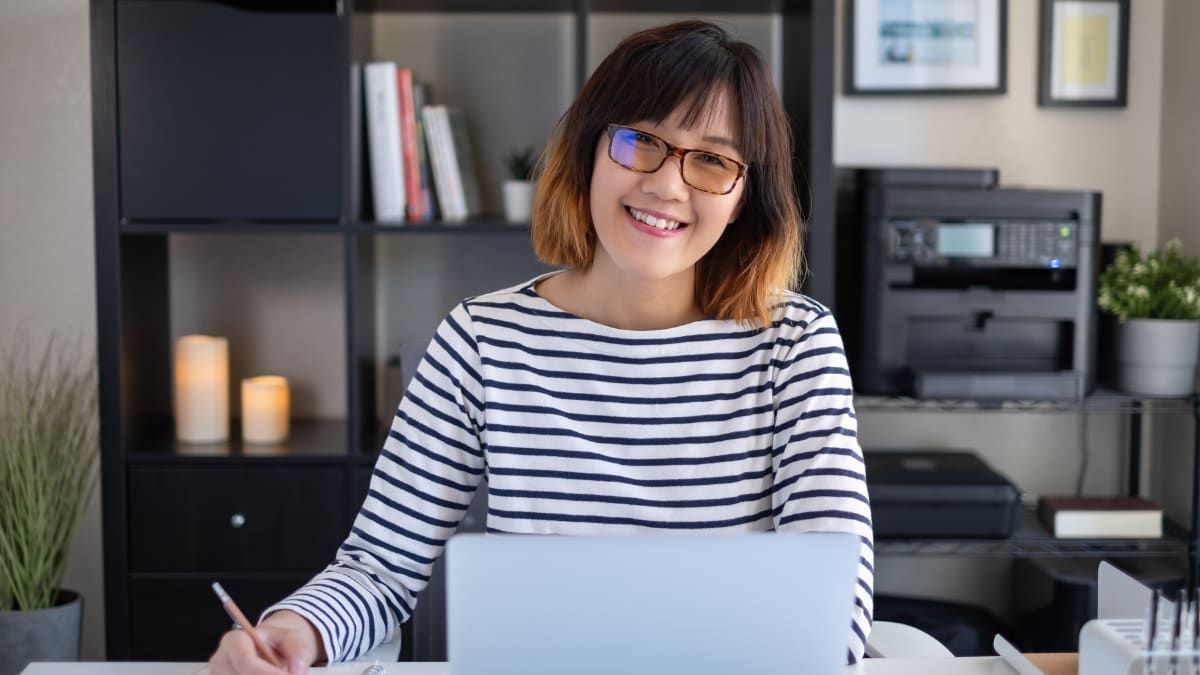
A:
(1118, 647)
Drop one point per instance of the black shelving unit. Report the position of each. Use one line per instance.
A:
(1031, 538)
(216, 118)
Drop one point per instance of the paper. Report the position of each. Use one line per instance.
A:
(1085, 49)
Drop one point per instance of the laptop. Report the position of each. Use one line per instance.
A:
(758, 604)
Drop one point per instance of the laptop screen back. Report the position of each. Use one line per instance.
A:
(761, 604)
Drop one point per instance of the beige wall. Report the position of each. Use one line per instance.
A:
(1179, 209)
(1179, 198)
(47, 273)
(1115, 151)
(1146, 159)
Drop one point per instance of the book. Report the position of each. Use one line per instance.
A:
(437, 143)
(468, 178)
(428, 199)
(409, 154)
(453, 167)
(1101, 517)
(383, 140)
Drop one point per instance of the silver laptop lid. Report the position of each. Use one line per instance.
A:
(759, 604)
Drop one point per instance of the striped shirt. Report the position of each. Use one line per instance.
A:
(580, 428)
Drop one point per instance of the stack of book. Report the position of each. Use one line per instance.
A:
(1101, 517)
(419, 154)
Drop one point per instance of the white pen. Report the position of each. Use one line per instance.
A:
(1015, 659)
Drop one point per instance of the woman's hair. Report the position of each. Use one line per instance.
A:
(693, 64)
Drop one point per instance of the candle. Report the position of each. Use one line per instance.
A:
(201, 389)
(264, 409)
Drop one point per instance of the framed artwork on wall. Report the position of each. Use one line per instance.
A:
(1083, 53)
(906, 47)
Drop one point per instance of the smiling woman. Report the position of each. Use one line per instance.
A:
(666, 380)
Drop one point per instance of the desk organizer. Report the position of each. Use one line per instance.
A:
(1118, 647)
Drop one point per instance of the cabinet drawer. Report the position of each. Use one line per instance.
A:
(182, 620)
(251, 519)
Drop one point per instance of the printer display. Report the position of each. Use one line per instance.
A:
(950, 287)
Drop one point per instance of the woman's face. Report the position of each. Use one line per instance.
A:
(623, 200)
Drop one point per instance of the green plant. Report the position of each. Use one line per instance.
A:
(48, 455)
(520, 163)
(1162, 285)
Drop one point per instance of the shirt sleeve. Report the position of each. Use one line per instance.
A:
(427, 472)
(820, 477)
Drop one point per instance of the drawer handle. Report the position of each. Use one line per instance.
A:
(237, 520)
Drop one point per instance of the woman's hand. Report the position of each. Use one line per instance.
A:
(290, 636)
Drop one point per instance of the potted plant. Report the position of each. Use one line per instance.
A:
(48, 455)
(1156, 299)
(518, 189)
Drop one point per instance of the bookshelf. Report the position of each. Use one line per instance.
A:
(229, 199)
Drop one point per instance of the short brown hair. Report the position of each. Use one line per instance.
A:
(647, 77)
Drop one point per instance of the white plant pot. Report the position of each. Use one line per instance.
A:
(518, 201)
(1157, 357)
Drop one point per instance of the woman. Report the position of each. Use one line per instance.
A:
(666, 380)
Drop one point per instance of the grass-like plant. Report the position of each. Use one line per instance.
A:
(48, 454)
(520, 163)
(1165, 284)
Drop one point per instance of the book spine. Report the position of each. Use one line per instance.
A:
(453, 170)
(383, 138)
(408, 141)
(357, 142)
(428, 205)
(467, 177)
(437, 160)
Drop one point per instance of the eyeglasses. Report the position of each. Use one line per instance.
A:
(645, 153)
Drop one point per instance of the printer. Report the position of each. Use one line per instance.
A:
(949, 286)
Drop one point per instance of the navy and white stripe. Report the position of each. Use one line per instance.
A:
(582, 428)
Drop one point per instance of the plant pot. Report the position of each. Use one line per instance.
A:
(41, 634)
(1157, 357)
(518, 201)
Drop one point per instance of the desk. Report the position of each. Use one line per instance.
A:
(1051, 664)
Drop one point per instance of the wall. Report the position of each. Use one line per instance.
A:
(47, 275)
(1115, 151)
(1179, 208)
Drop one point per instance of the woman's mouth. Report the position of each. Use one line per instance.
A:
(654, 222)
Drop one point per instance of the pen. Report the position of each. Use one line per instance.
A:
(1151, 629)
(240, 619)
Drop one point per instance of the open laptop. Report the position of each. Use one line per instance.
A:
(758, 604)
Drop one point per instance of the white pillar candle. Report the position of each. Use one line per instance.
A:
(201, 389)
(264, 409)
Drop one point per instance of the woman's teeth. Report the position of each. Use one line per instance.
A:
(653, 221)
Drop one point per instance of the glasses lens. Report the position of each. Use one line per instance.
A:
(640, 151)
(709, 172)
(636, 150)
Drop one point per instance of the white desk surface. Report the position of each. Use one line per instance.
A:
(982, 665)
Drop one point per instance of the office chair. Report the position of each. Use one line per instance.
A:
(889, 639)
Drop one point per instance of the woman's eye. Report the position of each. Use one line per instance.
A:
(715, 160)
(645, 139)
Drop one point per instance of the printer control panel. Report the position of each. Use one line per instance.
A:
(998, 243)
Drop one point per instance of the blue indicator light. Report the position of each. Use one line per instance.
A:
(1055, 263)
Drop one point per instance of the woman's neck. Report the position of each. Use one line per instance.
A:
(616, 300)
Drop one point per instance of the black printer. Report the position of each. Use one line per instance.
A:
(939, 494)
(951, 287)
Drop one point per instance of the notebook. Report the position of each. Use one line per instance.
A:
(760, 604)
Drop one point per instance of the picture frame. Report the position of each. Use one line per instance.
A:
(1083, 53)
(926, 47)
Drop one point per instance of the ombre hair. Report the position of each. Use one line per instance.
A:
(687, 65)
